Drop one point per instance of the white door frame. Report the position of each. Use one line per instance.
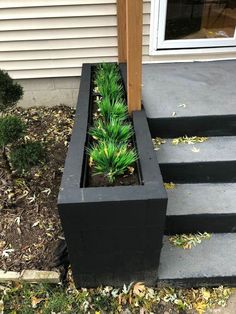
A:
(160, 46)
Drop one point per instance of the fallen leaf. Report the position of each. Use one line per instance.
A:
(2, 244)
(139, 289)
(195, 149)
(35, 301)
(169, 186)
(36, 223)
(189, 140)
(206, 294)
(1, 307)
(131, 170)
(6, 253)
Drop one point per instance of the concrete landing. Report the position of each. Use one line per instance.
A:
(206, 88)
(210, 263)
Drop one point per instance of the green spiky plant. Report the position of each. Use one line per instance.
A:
(108, 82)
(114, 130)
(111, 154)
(112, 110)
(110, 159)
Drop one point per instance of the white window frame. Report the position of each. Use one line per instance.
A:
(160, 46)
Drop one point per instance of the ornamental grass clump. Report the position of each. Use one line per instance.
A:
(111, 153)
(113, 130)
(110, 159)
(108, 109)
(108, 83)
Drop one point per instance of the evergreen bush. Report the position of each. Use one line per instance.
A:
(11, 129)
(27, 155)
(10, 92)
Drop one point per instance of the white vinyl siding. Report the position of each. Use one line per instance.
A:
(53, 38)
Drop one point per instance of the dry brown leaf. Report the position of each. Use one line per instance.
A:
(35, 301)
(169, 186)
(139, 289)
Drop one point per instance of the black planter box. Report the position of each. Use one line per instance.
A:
(113, 234)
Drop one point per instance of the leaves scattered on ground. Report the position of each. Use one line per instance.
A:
(170, 186)
(135, 298)
(157, 142)
(187, 241)
(30, 228)
(189, 140)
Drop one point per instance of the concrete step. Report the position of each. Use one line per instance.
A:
(190, 98)
(201, 207)
(210, 161)
(211, 263)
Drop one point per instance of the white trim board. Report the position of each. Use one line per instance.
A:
(153, 43)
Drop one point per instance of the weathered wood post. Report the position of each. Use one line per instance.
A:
(130, 24)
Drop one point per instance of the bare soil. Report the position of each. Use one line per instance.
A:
(30, 229)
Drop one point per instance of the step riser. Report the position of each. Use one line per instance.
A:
(193, 126)
(212, 223)
(201, 172)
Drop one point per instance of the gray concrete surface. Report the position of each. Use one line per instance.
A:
(206, 88)
(202, 198)
(211, 259)
(214, 149)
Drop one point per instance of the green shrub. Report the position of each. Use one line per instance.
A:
(10, 92)
(111, 160)
(109, 110)
(27, 155)
(11, 129)
(112, 130)
(108, 82)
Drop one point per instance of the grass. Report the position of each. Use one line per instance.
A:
(110, 159)
(137, 298)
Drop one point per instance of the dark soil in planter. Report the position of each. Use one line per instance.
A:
(30, 229)
(100, 180)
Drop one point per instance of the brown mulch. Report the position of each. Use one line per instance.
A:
(30, 229)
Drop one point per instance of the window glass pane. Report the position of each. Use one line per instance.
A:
(197, 19)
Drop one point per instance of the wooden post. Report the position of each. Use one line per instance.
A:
(121, 23)
(134, 26)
